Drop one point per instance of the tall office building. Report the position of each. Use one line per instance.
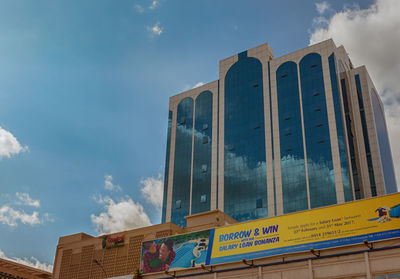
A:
(276, 135)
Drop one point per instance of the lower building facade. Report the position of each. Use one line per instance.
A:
(359, 239)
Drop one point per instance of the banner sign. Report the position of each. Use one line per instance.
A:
(175, 252)
(112, 241)
(350, 223)
(338, 225)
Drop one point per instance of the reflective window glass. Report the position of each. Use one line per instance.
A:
(164, 206)
(183, 158)
(340, 129)
(365, 134)
(294, 187)
(350, 139)
(384, 145)
(319, 155)
(245, 178)
(202, 153)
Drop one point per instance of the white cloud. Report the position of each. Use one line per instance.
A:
(154, 4)
(200, 83)
(25, 199)
(155, 30)
(108, 185)
(152, 190)
(139, 9)
(9, 145)
(371, 36)
(11, 216)
(32, 262)
(322, 7)
(119, 216)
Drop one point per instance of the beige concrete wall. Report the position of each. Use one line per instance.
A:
(75, 254)
(224, 66)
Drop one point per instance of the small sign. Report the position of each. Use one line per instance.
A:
(109, 241)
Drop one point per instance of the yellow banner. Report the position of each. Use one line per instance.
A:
(349, 223)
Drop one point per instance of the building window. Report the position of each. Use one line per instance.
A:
(290, 139)
(204, 168)
(231, 147)
(182, 120)
(178, 204)
(205, 126)
(259, 203)
(205, 140)
(203, 198)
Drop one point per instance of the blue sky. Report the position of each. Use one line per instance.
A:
(84, 88)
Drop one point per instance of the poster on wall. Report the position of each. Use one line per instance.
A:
(175, 252)
(338, 225)
(333, 226)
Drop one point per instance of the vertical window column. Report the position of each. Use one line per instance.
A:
(319, 154)
(245, 178)
(350, 139)
(340, 130)
(366, 137)
(201, 187)
(183, 159)
(166, 171)
(294, 186)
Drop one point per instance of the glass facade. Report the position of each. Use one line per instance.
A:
(319, 155)
(164, 204)
(350, 139)
(339, 129)
(304, 141)
(201, 188)
(245, 179)
(182, 166)
(294, 187)
(384, 145)
(365, 136)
